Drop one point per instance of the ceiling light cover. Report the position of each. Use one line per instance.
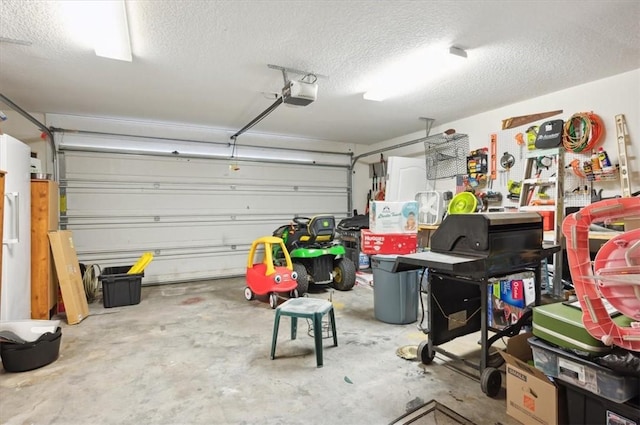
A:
(414, 71)
(112, 30)
(100, 25)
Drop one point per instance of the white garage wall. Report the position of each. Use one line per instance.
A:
(608, 97)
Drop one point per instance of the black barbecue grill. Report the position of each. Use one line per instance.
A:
(466, 251)
(488, 234)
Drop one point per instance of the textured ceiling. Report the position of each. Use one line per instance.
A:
(205, 62)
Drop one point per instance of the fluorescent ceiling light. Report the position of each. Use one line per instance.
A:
(102, 23)
(112, 32)
(414, 71)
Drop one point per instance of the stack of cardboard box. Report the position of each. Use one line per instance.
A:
(393, 228)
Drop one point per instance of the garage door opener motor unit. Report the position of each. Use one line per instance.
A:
(295, 92)
(299, 93)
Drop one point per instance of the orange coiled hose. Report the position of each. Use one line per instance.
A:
(582, 132)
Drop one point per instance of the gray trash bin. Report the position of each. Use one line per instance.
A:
(395, 295)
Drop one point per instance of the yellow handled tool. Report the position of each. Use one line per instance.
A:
(141, 264)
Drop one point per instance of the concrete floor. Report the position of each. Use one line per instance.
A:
(199, 354)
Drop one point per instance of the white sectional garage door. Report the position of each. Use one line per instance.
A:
(196, 215)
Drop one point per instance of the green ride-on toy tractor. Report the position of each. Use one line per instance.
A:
(317, 258)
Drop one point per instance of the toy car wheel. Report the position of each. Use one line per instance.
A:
(248, 294)
(303, 278)
(293, 294)
(273, 300)
(491, 381)
(344, 274)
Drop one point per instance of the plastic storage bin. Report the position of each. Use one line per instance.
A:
(30, 330)
(395, 295)
(120, 288)
(584, 407)
(583, 373)
(350, 239)
(18, 357)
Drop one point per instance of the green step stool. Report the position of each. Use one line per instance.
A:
(307, 308)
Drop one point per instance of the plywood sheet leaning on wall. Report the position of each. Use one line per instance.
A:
(68, 271)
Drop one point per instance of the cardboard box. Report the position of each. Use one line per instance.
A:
(388, 243)
(393, 217)
(631, 223)
(508, 298)
(531, 397)
(68, 271)
(500, 313)
(518, 291)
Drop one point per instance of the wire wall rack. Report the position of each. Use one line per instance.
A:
(446, 155)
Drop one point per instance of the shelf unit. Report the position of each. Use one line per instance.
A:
(532, 183)
(44, 218)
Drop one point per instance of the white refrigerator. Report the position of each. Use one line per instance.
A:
(15, 159)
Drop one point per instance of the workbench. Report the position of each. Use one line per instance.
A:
(457, 299)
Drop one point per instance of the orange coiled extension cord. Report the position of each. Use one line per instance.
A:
(582, 132)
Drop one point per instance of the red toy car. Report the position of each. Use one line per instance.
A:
(266, 278)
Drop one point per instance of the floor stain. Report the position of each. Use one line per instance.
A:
(192, 300)
(455, 398)
(414, 404)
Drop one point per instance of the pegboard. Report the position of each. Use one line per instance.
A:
(575, 193)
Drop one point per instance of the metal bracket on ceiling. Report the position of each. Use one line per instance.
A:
(15, 41)
(284, 71)
(428, 124)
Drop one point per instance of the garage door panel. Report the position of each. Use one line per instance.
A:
(89, 221)
(99, 166)
(196, 216)
(137, 187)
(163, 237)
(177, 202)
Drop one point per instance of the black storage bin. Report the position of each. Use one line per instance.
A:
(18, 357)
(586, 408)
(350, 239)
(120, 288)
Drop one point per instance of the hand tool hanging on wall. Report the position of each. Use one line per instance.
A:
(532, 134)
(366, 208)
(520, 141)
(623, 138)
(506, 161)
(494, 150)
(383, 180)
(526, 119)
(576, 168)
(374, 185)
